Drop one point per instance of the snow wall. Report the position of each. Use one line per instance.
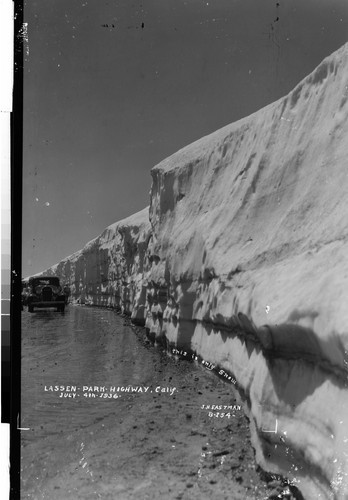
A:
(242, 259)
(109, 270)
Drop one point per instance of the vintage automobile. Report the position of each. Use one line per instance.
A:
(45, 291)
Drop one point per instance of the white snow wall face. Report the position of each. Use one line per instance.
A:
(109, 270)
(245, 264)
(250, 270)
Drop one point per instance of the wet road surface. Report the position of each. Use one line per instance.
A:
(85, 437)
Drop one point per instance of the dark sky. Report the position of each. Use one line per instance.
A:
(113, 87)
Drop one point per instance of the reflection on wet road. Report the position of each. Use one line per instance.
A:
(154, 443)
(83, 347)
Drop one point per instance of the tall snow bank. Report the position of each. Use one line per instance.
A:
(249, 269)
(245, 264)
(109, 270)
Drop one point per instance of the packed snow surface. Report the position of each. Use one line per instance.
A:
(244, 262)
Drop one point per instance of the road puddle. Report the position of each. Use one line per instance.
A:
(107, 415)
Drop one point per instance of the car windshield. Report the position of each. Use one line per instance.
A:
(45, 281)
